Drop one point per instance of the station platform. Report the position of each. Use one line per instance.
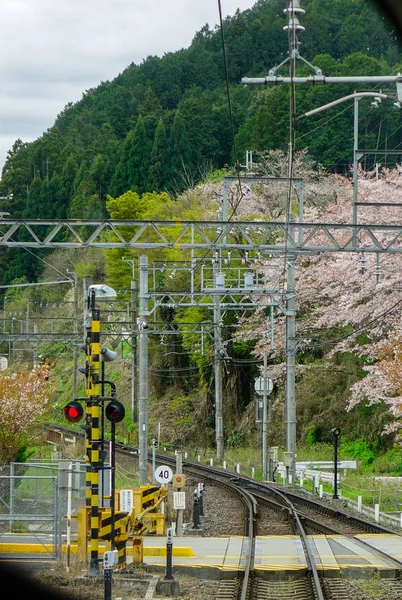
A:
(279, 556)
(276, 557)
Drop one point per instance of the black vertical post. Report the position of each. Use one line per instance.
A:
(108, 583)
(196, 510)
(113, 481)
(169, 553)
(201, 499)
(336, 432)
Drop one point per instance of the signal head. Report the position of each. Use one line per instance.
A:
(115, 411)
(73, 411)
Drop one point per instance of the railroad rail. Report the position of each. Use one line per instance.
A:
(296, 513)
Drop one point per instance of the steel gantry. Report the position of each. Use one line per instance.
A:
(262, 239)
(259, 236)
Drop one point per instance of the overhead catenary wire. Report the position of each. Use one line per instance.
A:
(235, 153)
(325, 122)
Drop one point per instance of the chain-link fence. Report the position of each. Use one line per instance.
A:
(35, 501)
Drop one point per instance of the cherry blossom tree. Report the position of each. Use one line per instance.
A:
(24, 399)
(347, 301)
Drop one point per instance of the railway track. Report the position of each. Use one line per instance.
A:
(271, 510)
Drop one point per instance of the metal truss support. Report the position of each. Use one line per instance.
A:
(271, 237)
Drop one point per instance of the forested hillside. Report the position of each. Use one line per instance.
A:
(154, 144)
(163, 124)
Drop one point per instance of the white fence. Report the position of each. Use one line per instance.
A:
(303, 472)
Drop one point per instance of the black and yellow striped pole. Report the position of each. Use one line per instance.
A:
(93, 440)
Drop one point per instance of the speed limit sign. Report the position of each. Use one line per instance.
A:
(163, 474)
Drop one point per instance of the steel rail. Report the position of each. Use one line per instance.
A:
(250, 504)
(312, 568)
(328, 530)
(337, 514)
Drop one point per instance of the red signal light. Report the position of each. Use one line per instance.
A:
(115, 411)
(73, 411)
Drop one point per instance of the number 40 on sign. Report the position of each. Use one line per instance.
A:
(163, 474)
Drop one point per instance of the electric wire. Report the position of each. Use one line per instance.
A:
(292, 44)
(229, 101)
(41, 259)
(330, 119)
(181, 369)
(350, 333)
(237, 162)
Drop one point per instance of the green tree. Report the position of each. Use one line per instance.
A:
(138, 158)
(179, 151)
(157, 170)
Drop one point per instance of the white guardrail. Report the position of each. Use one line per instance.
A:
(309, 470)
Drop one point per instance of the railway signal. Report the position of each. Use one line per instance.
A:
(336, 432)
(73, 411)
(115, 411)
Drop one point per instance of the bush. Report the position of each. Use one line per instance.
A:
(358, 449)
(238, 439)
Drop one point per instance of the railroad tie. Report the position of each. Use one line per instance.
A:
(227, 590)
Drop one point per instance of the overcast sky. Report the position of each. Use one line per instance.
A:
(53, 50)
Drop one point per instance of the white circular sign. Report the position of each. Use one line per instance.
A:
(262, 383)
(163, 474)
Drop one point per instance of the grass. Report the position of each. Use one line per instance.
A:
(364, 481)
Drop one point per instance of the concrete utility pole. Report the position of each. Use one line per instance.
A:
(291, 355)
(143, 372)
(218, 347)
(133, 349)
(133, 310)
(218, 373)
(265, 421)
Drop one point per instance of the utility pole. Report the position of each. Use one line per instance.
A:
(293, 28)
(218, 348)
(133, 311)
(218, 367)
(143, 372)
(291, 352)
(265, 422)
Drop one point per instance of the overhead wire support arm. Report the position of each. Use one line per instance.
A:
(323, 80)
